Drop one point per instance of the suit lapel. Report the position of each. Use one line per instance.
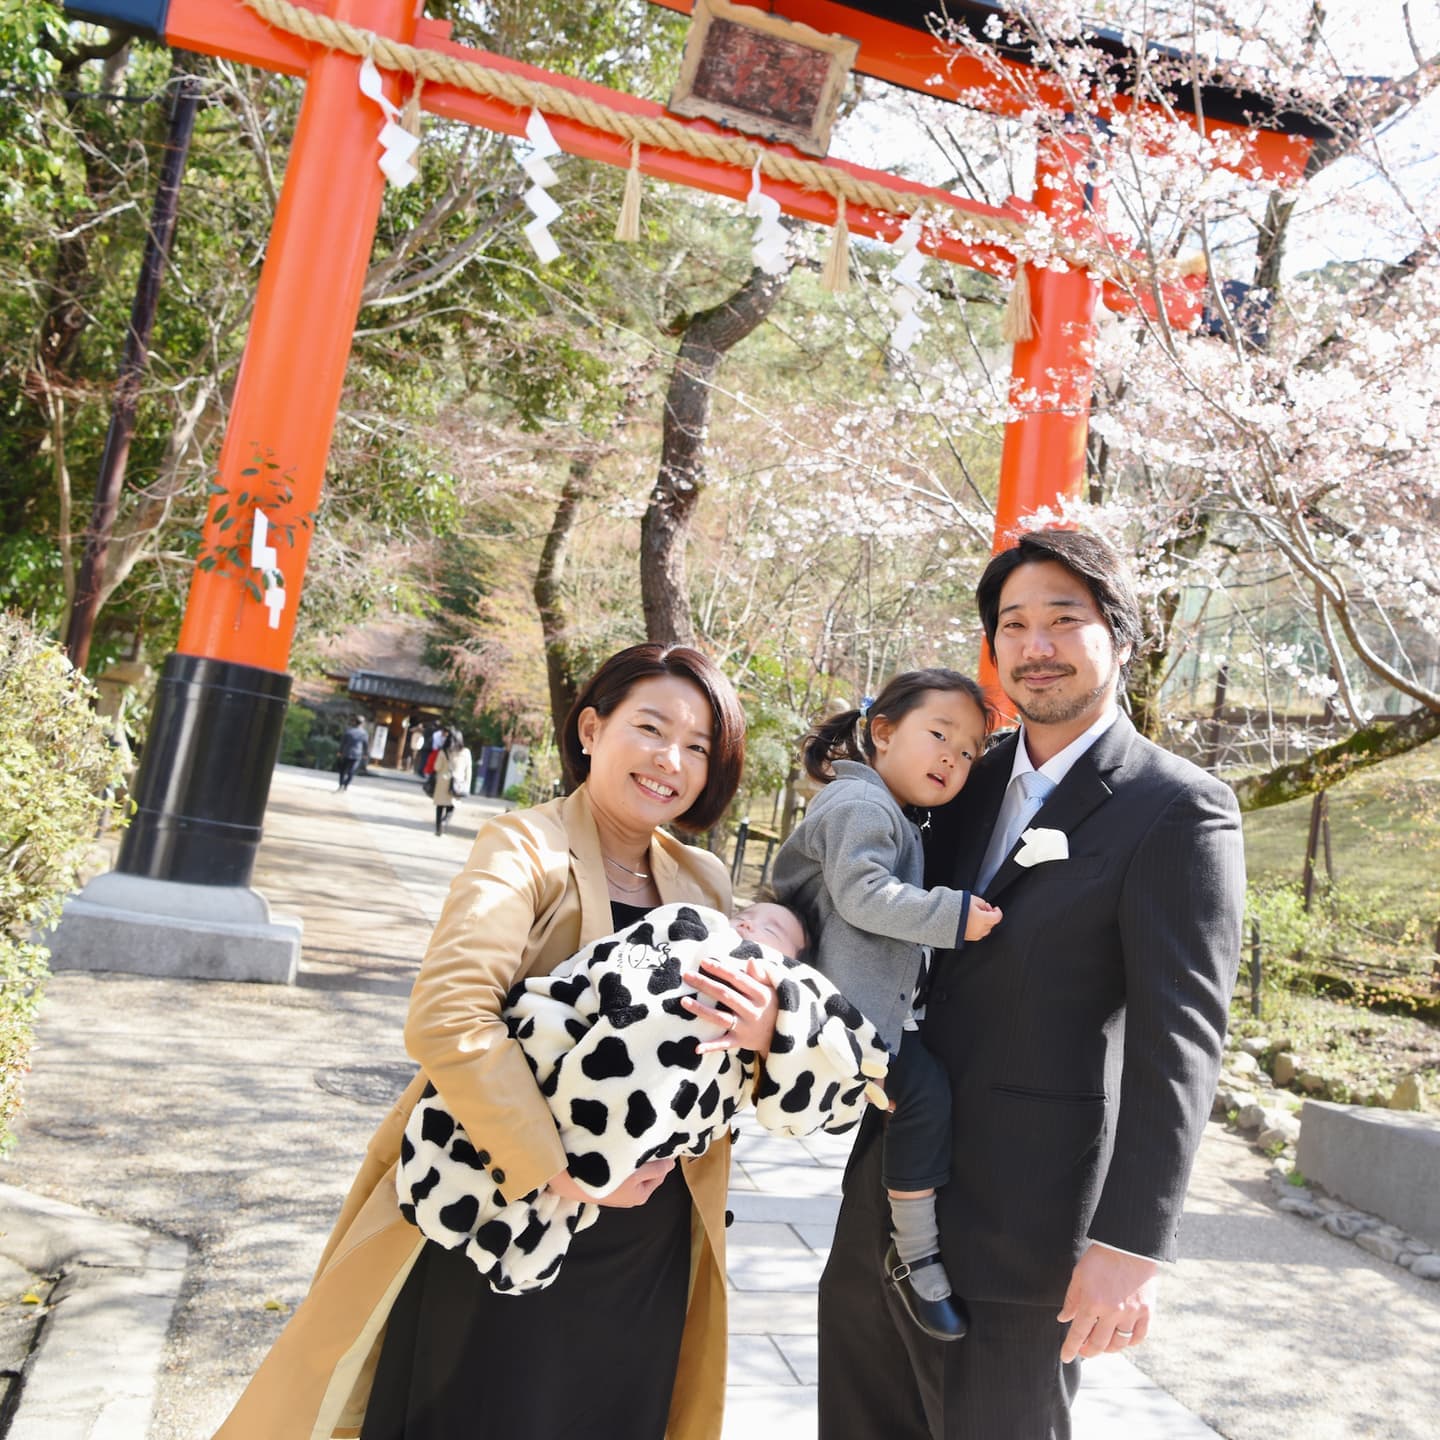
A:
(1081, 792)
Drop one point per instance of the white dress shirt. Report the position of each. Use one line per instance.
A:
(1023, 798)
(1057, 767)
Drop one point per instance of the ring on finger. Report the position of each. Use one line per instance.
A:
(734, 1021)
(1125, 1334)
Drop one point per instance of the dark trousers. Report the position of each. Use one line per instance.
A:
(347, 771)
(917, 1131)
(880, 1375)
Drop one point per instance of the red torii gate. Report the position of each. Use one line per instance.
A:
(205, 776)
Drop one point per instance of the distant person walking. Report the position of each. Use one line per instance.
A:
(419, 747)
(452, 771)
(354, 747)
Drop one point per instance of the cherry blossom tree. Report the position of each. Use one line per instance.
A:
(1274, 477)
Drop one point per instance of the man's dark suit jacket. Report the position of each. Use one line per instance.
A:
(1083, 1035)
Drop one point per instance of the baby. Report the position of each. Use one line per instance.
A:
(767, 922)
(629, 1080)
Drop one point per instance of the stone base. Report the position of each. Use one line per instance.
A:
(162, 928)
(1383, 1161)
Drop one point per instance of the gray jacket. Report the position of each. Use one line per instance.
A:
(853, 867)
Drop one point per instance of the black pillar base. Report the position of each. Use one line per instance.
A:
(205, 773)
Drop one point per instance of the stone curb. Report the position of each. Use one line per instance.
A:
(1370, 1232)
(1262, 1111)
(94, 1369)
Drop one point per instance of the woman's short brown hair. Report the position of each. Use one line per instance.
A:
(615, 679)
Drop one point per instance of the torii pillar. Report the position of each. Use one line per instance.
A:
(1042, 460)
(179, 901)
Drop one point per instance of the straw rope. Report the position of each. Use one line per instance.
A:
(658, 132)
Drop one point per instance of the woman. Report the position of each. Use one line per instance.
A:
(402, 1340)
(452, 777)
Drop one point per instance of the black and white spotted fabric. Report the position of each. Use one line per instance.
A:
(615, 1053)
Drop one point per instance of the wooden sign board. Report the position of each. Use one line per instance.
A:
(762, 75)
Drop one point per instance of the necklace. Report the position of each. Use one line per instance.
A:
(618, 889)
(638, 874)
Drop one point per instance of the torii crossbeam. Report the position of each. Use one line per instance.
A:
(187, 859)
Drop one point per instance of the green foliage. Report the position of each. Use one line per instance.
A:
(233, 517)
(1374, 928)
(311, 738)
(1366, 948)
(1287, 932)
(58, 773)
(28, 64)
(30, 579)
(295, 735)
(772, 731)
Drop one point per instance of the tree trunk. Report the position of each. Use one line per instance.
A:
(705, 339)
(1147, 671)
(1319, 819)
(90, 582)
(1326, 768)
(1270, 251)
(549, 592)
(1149, 668)
(562, 659)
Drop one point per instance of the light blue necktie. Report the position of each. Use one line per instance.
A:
(1033, 789)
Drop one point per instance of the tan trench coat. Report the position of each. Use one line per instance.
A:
(535, 874)
(453, 772)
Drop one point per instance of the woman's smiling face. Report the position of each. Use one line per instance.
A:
(650, 756)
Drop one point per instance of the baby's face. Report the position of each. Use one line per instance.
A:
(772, 925)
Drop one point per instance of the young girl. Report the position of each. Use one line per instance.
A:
(854, 867)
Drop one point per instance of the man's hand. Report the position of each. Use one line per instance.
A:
(1109, 1302)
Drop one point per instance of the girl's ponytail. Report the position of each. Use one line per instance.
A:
(846, 736)
(834, 738)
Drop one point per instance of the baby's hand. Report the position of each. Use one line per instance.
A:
(982, 919)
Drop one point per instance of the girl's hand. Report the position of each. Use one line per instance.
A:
(982, 918)
(635, 1191)
(745, 1005)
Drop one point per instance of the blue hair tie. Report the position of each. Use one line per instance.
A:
(866, 701)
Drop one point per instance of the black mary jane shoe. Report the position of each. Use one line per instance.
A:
(940, 1319)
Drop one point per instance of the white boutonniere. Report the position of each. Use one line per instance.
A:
(1040, 845)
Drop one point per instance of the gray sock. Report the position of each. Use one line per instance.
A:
(916, 1236)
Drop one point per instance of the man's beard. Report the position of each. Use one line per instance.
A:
(1047, 709)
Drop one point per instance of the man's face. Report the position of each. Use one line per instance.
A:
(1053, 650)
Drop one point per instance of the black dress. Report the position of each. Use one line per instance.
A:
(592, 1357)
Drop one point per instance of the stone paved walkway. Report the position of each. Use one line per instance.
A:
(232, 1117)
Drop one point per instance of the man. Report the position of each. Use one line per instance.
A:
(354, 748)
(1082, 1037)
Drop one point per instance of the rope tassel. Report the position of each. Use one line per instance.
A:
(1018, 321)
(627, 227)
(410, 116)
(835, 277)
